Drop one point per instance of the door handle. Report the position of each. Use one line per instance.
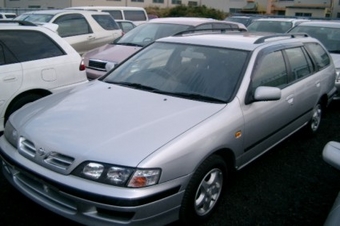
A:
(91, 37)
(290, 99)
(317, 84)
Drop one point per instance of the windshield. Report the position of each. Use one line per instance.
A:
(188, 71)
(329, 37)
(144, 34)
(43, 18)
(270, 26)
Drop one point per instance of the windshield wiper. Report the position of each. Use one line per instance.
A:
(134, 85)
(192, 96)
(129, 44)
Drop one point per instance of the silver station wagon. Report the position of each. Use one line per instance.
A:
(153, 141)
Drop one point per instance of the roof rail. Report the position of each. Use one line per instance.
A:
(221, 30)
(292, 35)
(20, 22)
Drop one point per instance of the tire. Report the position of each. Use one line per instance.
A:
(20, 103)
(203, 191)
(314, 123)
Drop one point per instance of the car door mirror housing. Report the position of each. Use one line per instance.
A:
(267, 93)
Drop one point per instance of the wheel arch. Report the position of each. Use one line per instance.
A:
(40, 92)
(228, 157)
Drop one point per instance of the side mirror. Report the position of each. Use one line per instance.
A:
(266, 93)
(331, 154)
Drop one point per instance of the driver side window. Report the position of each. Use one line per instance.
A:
(270, 70)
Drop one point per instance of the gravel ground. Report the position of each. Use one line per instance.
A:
(289, 185)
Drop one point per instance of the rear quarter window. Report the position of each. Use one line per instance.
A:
(135, 15)
(319, 54)
(72, 25)
(116, 14)
(106, 22)
(30, 45)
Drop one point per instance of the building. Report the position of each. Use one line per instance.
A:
(305, 8)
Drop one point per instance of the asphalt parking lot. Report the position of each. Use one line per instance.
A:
(290, 185)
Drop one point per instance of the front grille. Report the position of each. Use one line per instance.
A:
(59, 160)
(97, 65)
(48, 158)
(27, 147)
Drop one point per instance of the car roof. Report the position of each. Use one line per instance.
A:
(105, 7)
(236, 40)
(193, 21)
(60, 11)
(321, 23)
(280, 19)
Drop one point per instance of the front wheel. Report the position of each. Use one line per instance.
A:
(203, 191)
(314, 123)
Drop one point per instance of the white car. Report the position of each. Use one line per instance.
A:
(136, 14)
(84, 30)
(34, 62)
(7, 16)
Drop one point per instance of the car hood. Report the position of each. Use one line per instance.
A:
(108, 123)
(111, 53)
(336, 59)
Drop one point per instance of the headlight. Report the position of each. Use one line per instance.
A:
(117, 175)
(11, 134)
(337, 78)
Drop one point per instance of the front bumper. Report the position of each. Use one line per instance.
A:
(89, 202)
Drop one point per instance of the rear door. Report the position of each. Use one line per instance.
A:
(306, 82)
(86, 33)
(75, 29)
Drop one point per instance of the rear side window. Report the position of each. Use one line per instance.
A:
(270, 70)
(116, 14)
(135, 15)
(299, 65)
(6, 56)
(319, 54)
(106, 22)
(30, 45)
(72, 25)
